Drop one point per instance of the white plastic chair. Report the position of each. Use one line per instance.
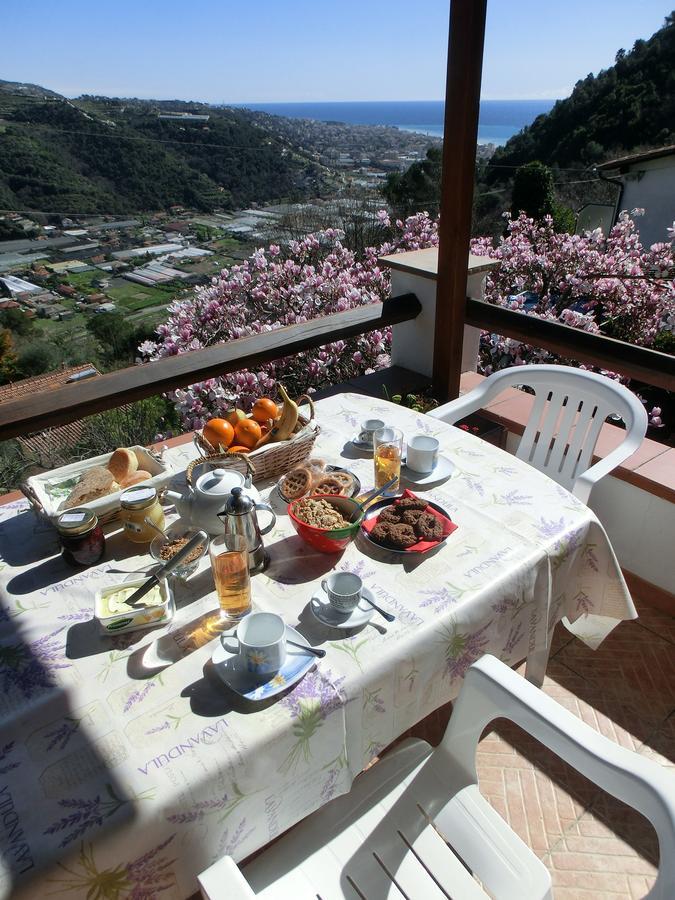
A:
(569, 410)
(379, 842)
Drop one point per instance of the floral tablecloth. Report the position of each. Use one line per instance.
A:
(126, 767)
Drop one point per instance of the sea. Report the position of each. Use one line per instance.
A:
(499, 119)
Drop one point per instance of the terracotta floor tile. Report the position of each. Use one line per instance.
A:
(561, 638)
(610, 438)
(633, 666)
(655, 621)
(660, 746)
(595, 847)
(661, 469)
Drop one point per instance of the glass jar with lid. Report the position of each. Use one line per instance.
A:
(137, 504)
(82, 538)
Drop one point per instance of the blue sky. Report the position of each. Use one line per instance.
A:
(285, 50)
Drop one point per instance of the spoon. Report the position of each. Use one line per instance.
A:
(155, 528)
(386, 615)
(315, 651)
(371, 495)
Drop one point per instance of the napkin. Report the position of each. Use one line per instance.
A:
(420, 546)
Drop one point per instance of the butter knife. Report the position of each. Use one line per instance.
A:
(195, 541)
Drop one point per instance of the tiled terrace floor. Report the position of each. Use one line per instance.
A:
(595, 847)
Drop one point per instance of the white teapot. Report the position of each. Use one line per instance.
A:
(200, 505)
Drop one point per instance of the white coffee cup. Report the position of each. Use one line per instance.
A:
(422, 454)
(368, 429)
(262, 642)
(343, 590)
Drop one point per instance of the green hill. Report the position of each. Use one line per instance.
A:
(629, 106)
(95, 154)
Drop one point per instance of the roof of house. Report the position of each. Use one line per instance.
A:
(624, 162)
(49, 381)
(45, 442)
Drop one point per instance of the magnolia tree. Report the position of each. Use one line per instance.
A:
(611, 285)
(313, 277)
(608, 285)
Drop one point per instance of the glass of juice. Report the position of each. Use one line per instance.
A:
(387, 449)
(229, 561)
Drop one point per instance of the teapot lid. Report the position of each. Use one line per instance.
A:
(238, 503)
(219, 482)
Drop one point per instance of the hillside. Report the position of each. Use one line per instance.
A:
(95, 154)
(628, 106)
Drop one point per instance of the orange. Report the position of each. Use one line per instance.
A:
(238, 449)
(248, 433)
(218, 433)
(264, 409)
(235, 415)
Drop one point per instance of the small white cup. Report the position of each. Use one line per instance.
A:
(343, 590)
(422, 454)
(262, 642)
(368, 429)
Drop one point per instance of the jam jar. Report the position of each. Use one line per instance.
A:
(137, 504)
(82, 538)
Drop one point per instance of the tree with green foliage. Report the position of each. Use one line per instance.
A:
(8, 361)
(118, 338)
(418, 188)
(534, 194)
(629, 106)
(17, 321)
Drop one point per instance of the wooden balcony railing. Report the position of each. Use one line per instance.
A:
(649, 366)
(48, 409)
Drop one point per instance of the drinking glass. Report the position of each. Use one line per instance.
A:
(388, 447)
(229, 561)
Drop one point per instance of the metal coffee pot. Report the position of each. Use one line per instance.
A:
(240, 517)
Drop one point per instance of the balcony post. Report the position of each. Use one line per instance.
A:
(462, 106)
(416, 271)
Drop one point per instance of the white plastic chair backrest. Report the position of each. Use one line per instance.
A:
(491, 690)
(569, 409)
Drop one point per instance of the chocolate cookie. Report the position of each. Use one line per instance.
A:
(380, 532)
(401, 536)
(410, 516)
(389, 514)
(429, 528)
(412, 503)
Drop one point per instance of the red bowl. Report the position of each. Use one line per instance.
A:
(325, 540)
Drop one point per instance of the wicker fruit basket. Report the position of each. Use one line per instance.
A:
(269, 461)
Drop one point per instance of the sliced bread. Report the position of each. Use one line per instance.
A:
(96, 482)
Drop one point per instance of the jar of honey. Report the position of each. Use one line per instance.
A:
(82, 538)
(137, 504)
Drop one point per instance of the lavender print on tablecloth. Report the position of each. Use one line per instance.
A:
(6, 765)
(141, 879)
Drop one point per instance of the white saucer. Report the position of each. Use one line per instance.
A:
(444, 469)
(362, 445)
(231, 669)
(324, 612)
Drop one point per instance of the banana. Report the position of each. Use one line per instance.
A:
(284, 426)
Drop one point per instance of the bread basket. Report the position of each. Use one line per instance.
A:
(269, 461)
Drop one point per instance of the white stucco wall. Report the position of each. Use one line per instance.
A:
(651, 186)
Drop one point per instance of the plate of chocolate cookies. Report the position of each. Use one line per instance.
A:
(407, 524)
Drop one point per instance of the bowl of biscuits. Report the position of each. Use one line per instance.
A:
(315, 476)
(326, 522)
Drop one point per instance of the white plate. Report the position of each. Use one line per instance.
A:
(444, 469)
(236, 676)
(324, 612)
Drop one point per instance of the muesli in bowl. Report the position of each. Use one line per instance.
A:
(326, 522)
